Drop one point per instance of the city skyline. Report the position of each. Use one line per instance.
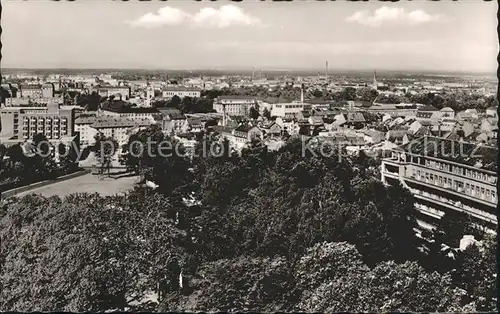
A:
(439, 37)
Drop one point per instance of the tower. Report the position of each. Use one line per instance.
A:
(253, 73)
(302, 93)
(375, 84)
(150, 93)
(326, 70)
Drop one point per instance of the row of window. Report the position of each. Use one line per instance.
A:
(48, 119)
(460, 171)
(238, 102)
(289, 106)
(469, 189)
(181, 93)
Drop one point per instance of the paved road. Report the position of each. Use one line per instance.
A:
(88, 183)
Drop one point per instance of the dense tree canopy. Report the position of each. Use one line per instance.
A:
(306, 228)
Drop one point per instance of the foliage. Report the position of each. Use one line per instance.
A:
(187, 104)
(241, 284)
(254, 113)
(458, 100)
(91, 101)
(266, 114)
(89, 253)
(105, 148)
(328, 277)
(158, 158)
(292, 230)
(366, 94)
(294, 202)
(476, 273)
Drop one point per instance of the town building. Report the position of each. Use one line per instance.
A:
(133, 113)
(446, 177)
(37, 91)
(427, 113)
(181, 92)
(22, 123)
(173, 121)
(117, 128)
(32, 101)
(107, 91)
(283, 109)
(193, 125)
(83, 125)
(271, 129)
(398, 110)
(234, 105)
(491, 112)
(239, 136)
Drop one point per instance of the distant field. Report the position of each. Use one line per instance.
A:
(88, 183)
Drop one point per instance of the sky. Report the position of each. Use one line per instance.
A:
(405, 35)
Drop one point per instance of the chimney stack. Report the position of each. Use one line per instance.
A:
(302, 93)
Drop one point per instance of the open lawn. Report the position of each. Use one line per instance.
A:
(88, 183)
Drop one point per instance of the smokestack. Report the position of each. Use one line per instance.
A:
(326, 70)
(302, 93)
(253, 73)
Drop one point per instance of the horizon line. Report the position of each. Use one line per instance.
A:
(235, 68)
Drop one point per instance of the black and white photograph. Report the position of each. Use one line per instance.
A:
(249, 156)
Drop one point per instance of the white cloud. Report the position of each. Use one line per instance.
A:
(165, 16)
(391, 15)
(225, 16)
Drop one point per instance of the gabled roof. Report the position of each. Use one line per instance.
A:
(172, 113)
(85, 119)
(239, 97)
(103, 123)
(316, 120)
(470, 154)
(427, 108)
(355, 117)
(244, 128)
(318, 101)
(180, 89)
(131, 109)
(194, 121)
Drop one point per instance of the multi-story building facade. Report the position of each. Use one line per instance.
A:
(117, 128)
(234, 105)
(107, 91)
(446, 178)
(37, 91)
(22, 123)
(169, 92)
(283, 109)
(32, 101)
(239, 136)
(83, 125)
(393, 110)
(133, 113)
(173, 121)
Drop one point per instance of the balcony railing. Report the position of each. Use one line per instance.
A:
(458, 206)
(448, 188)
